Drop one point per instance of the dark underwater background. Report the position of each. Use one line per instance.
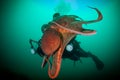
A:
(22, 20)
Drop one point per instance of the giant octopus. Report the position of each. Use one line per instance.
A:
(58, 34)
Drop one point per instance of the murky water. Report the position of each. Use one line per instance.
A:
(22, 20)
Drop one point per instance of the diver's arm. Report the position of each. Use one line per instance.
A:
(31, 41)
(33, 50)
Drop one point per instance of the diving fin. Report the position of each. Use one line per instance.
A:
(98, 62)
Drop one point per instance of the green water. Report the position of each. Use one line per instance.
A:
(22, 20)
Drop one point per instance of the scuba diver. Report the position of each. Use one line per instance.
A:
(72, 51)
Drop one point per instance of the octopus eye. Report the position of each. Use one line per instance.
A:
(69, 47)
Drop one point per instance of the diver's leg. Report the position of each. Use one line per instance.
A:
(97, 61)
(82, 53)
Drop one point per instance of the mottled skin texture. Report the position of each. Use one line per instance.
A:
(51, 39)
(60, 31)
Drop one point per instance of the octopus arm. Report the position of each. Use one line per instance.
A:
(100, 17)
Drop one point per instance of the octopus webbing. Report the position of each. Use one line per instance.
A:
(58, 34)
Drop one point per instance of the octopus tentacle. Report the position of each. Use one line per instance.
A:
(45, 61)
(57, 57)
(73, 31)
(100, 17)
(54, 71)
